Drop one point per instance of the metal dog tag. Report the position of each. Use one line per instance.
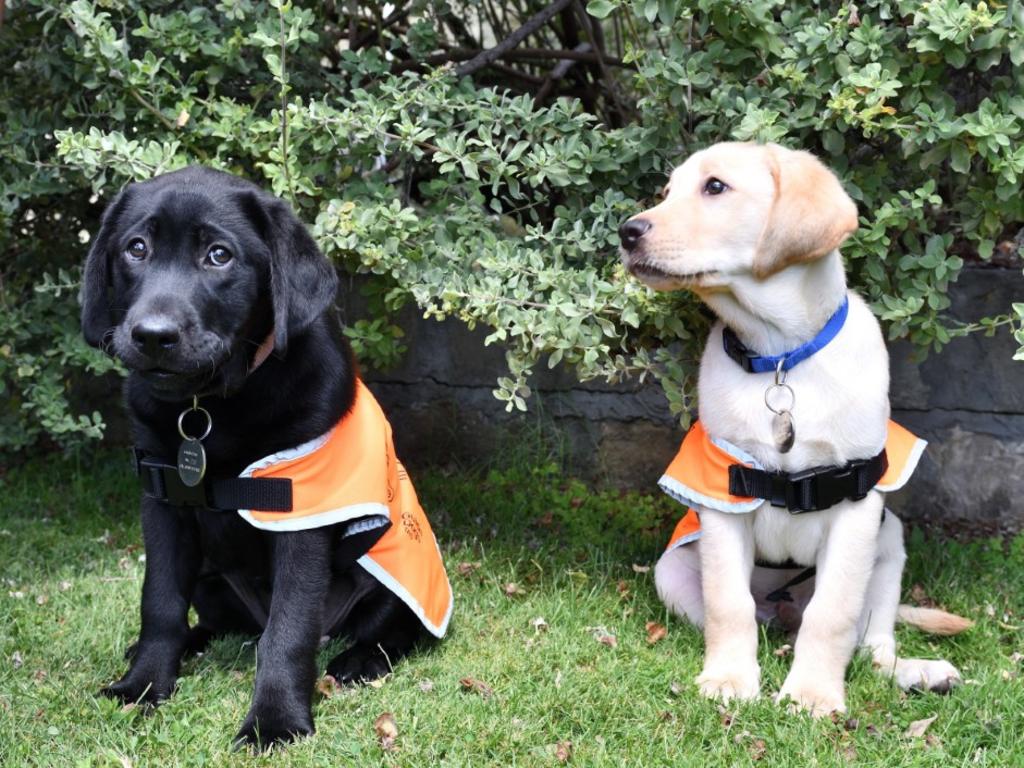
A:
(783, 431)
(191, 462)
(191, 454)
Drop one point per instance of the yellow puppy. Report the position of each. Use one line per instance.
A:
(795, 377)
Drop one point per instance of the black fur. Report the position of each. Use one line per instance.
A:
(217, 316)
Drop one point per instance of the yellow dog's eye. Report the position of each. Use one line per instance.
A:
(715, 186)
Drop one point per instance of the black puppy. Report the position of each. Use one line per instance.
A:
(194, 277)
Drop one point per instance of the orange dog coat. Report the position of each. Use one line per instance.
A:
(699, 475)
(351, 475)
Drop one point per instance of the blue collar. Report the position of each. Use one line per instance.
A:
(752, 362)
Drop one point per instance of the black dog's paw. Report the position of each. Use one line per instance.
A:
(139, 689)
(359, 664)
(265, 730)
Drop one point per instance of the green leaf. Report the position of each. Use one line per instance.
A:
(600, 9)
(960, 158)
(833, 142)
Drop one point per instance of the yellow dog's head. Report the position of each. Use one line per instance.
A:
(737, 209)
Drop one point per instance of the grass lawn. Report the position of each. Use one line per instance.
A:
(542, 568)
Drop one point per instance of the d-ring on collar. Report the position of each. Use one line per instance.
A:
(752, 362)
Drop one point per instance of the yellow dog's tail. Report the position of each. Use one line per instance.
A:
(933, 621)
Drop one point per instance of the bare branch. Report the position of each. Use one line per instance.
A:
(593, 31)
(520, 54)
(557, 73)
(531, 25)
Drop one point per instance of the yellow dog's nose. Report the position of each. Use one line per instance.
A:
(632, 230)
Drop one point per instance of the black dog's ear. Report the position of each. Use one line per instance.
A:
(303, 283)
(94, 295)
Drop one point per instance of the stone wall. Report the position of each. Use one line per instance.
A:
(968, 401)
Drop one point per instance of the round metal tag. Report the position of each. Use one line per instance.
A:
(191, 462)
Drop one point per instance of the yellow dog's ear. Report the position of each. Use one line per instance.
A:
(811, 216)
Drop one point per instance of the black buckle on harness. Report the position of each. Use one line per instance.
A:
(161, 481)
(811, 490)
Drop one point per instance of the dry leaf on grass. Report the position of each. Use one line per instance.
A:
(386, 730)
(327, 686)
(563, 751)
(513, 590)
(918, 727)
(675, 688)
(606, 638)
(655, 632)
(757, 749)
(16, 659)
(426, 685)
(641, 568)
(472, 685)
(539, 625)
(465, 569)
(783, 650)
(622, 588)
(920, 597)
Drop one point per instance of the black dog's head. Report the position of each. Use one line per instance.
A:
(191, 271)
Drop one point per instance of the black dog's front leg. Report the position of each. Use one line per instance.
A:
(172, 563)
(286, 653)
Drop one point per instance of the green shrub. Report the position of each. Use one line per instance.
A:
(495, 197)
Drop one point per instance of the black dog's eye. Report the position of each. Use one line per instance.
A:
(715, 186)
(218, 256)
(136, 249)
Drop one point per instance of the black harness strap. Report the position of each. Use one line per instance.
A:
(811, 490)
(161, 481)
(782, 593)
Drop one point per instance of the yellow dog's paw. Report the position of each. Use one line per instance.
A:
(813, 696)
(728, 683)
(926, 675)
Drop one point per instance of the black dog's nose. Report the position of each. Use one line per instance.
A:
(631, 231)
(156, 334)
